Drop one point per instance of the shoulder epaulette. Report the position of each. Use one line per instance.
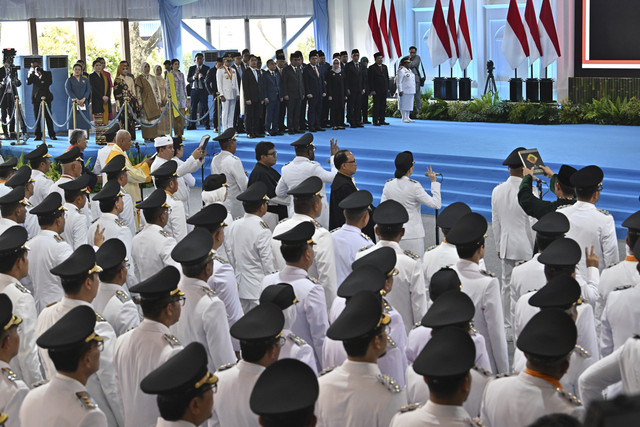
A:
(335, 229)
(365, 236)
(122, 296)
(85, 400)
(391, 342)
(569, 397)
(477, 421)
(520, 262)
(209, 291)
(8, 372)
(58, 238)
(503, 375)
(389, 383)
(99, 318)
(79, 211)
(413, 180)
(313, 279)
(581, 351)
(238, 218)
(365, 248)
(220, 259)
(389, 180)
(611, 265)
(39, 383)
(120, 222)
(316, 223)
(173, 341)
(93, 221)
(481, 371)
(286, 163)
(296, 339)
(411, 254)
(416, 325)
(164, 233)
(430, 248)
(235, 157)
(410, 407)
(52, 304)
(226, 366)
(622, 288)
(282, 220)
(22, 288)
(264, 224)
(387, 306)
(325, 371)
(604, 212)
(488, 273)
(563, 206)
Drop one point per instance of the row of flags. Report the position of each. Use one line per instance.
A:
(447, 42)
(383, 36)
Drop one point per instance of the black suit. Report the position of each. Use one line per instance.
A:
(8, 102)
(341, 187)
(199, 94)
(212, 87)
(252, 92)
(270, 177)
(314, 88)
(238, 121)
(283, 106)
(354, 83)
(378, 83)
(293, 88)
(41, 89)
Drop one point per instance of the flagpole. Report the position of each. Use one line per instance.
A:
(464, 73)
(531, 66)
(439, 74)
(516, 70)
(545, 72)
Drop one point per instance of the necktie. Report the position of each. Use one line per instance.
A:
(357, 65)
(316, 70)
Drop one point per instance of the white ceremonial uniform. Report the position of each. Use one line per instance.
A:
(237, 179)
(357, 394)
(433, 414)
(41, 186)
(595, 227)
(204, 319)
(101, 159)
(223, 283)
(618, 276)
(249, 250)
(177, 223)
(406, 83)
(484, 290)
(525, 277)
(116, 306)
(412, 195)
(115, 228)
(26, 363)
(185, 179)
(31, 221)
(12, 394)
(56, 187)
(75, 226)
(102, 386)
(6, 223)
(137, 353)
(231, 403)
(62, 402)
(151, 251)
(128, 213)
(48, 249)
(228, 87)
(296, 171)
(323, 267)
(297, 348)
(620, 319)
(311, 322)
(408, 294)
(518, 401)
(161, 422)
(437, 257)
(347, 240)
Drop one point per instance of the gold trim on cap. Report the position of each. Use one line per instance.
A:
(46, 155)
(14, 321)
(176, 291)
(223, 224)
(24, 202)
(384, 320)
(93, 337)
(62, 208)
(209, 378)
(311, 242)
(30, 180)
(295, 301)
(96, 269)
(393, 272)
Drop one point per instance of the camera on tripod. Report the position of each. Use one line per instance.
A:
(490, 67)
(8, 55)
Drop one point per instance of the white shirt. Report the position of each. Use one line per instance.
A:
(620, 319)
(406, 81)
(185, 179)
(223, 283)
(41, 186)
(75, 226)
(618, 276)
(443, 255)
(231, 402)
(137, 353)
(115, 228)
(356, 394)
(526, 277)
(128, 214)
(237, 179)
(12, 393)
(31, 221)
(101, 159)
(151, 251)
(347, 240)
(58, 404)
(411, 194)
(177, 223)
(511, 225)
(56, 187)
(116, 306)
(297, 348)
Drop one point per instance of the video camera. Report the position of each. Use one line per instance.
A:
(8, 55)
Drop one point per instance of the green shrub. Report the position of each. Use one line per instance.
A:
(571, 113)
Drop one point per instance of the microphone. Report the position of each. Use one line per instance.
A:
(438, 174)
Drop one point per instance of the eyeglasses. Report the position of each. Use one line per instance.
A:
(281, 339)
(99, 345)
(275, 153)
(180, 300)
(353, 161)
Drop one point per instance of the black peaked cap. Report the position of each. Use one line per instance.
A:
(449, 353)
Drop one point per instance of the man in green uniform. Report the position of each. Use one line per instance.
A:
(559, 185)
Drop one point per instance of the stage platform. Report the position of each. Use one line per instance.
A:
(469, 156)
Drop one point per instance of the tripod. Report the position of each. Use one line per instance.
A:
(490, 85)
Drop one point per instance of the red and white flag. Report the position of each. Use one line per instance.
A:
(533, 37)
(514, 43)
(438, 40)
(374, 38)
(453, 36)
(395, 51)
(383, 30)
(464, 38)
(548, 36)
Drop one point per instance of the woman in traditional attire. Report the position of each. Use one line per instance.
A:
(78, 88)
(177, 90)
(124, 88)
(406, 82)
(150, 102)
(100, 98)
(164, 127)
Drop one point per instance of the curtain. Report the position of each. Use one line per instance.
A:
(321, 25)
(170, 20)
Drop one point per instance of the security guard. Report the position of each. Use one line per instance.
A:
(76, 193)
(547, 341)
(308, 201)
(594, 229)
(560, 185)
(445, 366)
(166, 179)
(294, 347)
(184, 387)
(143, 349)
(260, 335)
(297, 249)
(39, 160)
(231, 166)
(468, 235)
(151, 247)
(14, 256)
(79, 277)
(49, 250)
(113, 301)
(249, 245)
(75, 347)
(349, 238)
(22, 178)
(409, 293)
(362, 327)
(204, 319)
(116, 170)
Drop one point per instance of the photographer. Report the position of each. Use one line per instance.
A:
(41, 80)
(8, 91)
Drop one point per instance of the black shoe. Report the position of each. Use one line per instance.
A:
(321, 129)
(191, 128)
(376, 124)
(53, 137)
(279, 133)
(312, 130)
(250, 136)
(366, 123)
(291, 132)
(384, 123)
(207, 127)
(259, 135)
(215, 130)
(359, 126)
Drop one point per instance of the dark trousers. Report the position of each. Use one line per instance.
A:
(238, 122)
(215, 112)
(324, 112)
(47, 119)
(379, 105)
(281, 113)
(303, 114)
(313, 114)
(7, 107)
(365, 108)
(353, 107)
(252, 117)
(199, 97)
(293, 114)
(272, 116)
(337, 114)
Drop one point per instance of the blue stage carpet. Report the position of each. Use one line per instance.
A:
(469, 155)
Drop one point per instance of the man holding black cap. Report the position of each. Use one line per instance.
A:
(76, 349)
(378, 76)
(13, 207)
(39, 160)
(266, 158)
(76, 194)
(167, 181)
(354, 85)
(231, 166)
(560, 185)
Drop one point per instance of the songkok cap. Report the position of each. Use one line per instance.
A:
(259, 324)
(116, 164)
(12, 240)
(563, 251)
(589, 177)
(110, 190)
(214, 181)
(228, 134)
(281, 295)
(313, 53)
(468, 230)
(552, 224)
(79, 184)
(361, 316)
(7, 319)
(633, 222)
(449, 353)
(280, 51)
(14, 196)
(303, 141)
(404, 162)
(287, 385)
(390, 212)
(280, 56)
(211, 216)
(166, 170)
(320, 53)
(155, 200)
(451, 214)
(565, 173)
(344, 52)
(561, 292)
(301, 234)
(10, 164)
(254, 193)
(74, 328)
(162, 141)
(69, 156)
(450, 309)
(363, 278)
(185, 372)
(310, 187)
(81, 263)
(219, 60)
(111, 254)
(513, 160)
(550, 334)
(354, 51)
(21, 178)
(444, 280)
(377, 55)
(194, 248)
(163, 284)
(50, 205)
(40, 151)
(228, 56)
(383, 259)
(336, 55)
(236, 54)
(357, 200)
